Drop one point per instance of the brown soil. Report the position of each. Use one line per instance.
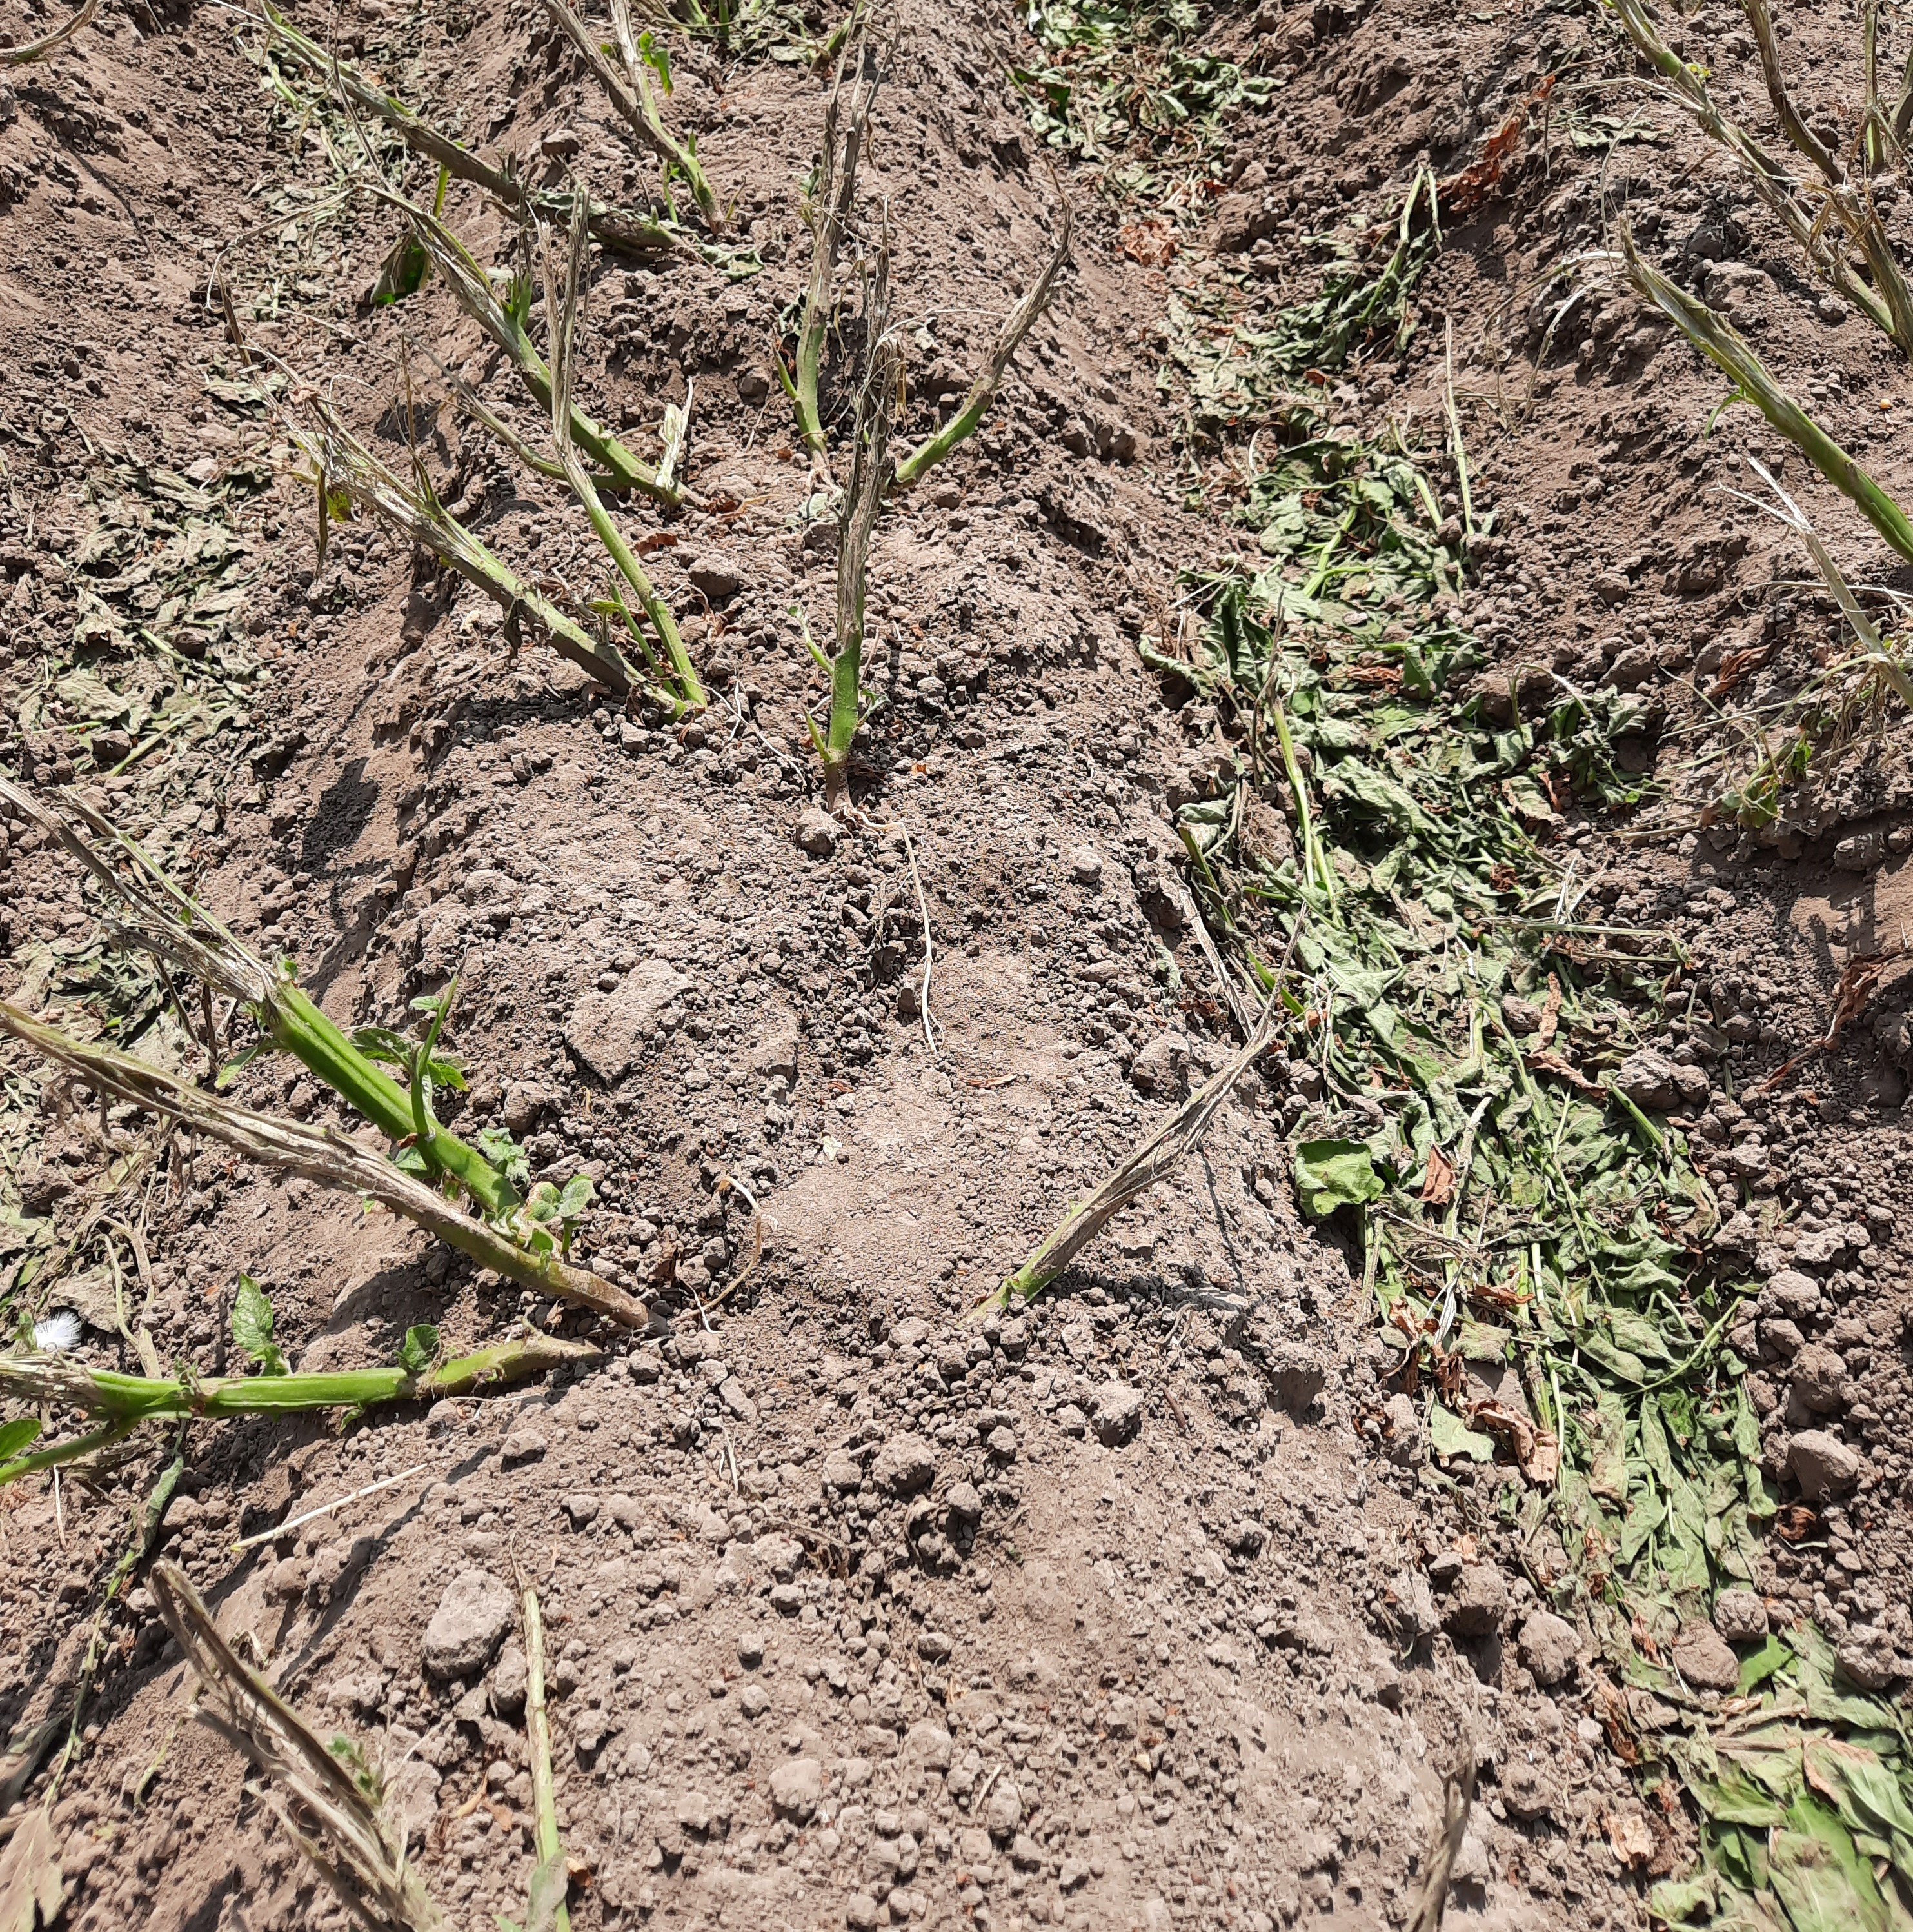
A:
(1176, 1676)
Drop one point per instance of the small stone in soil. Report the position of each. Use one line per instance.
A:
(1119, 1414)
(816, 832)
(905, 1464)
(1821, 1464)
(1478, 1602)
(1548, 1645)
(1740, 1616)
(796, 1787)
(1703, 1658)
(468, 1625)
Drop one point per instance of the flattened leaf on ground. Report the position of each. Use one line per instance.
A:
(31, 1886)
(1333, 1173)
(1856, 1780)
(1606, 1425)
(1821, 1878)
(1734, 1798)
(1450, 1436)
(1679, 1900)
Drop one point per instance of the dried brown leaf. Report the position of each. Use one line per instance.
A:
(30, 1885)
(1438, 1183)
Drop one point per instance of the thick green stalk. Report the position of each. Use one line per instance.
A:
(88, 1445)
(1770, 180)
(983, 391)
(1316, 862)
(328, 1156)
(297, 1025)
(846, 686)
(1717, 339)
(348, 465)
(129, 1400)
(691, 689)
(646, 77)
(473, 293)
(933, 449)
(563, 304)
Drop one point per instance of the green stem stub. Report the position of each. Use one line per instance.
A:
(125, 1402)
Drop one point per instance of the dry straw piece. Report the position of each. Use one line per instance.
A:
(33, 50)
(1015, 326)
(343, 465)
(870, 472)
(1158, 1156)
(828, 214)
(681, 687)
(328, 1810)
(551, 1877)
(1457, 1801)
(831, 214)
(472, 291)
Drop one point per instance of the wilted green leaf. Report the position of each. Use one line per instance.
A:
(252, 1328)
(419, 1350)
(16, 1436)
(1821, 1878)
(1450, 1436)
(1758, 1666)
(1678, 1900)
(382, 1043)
(1333, 1173)
(403, 272)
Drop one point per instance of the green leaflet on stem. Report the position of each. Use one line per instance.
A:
(252, 1328)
